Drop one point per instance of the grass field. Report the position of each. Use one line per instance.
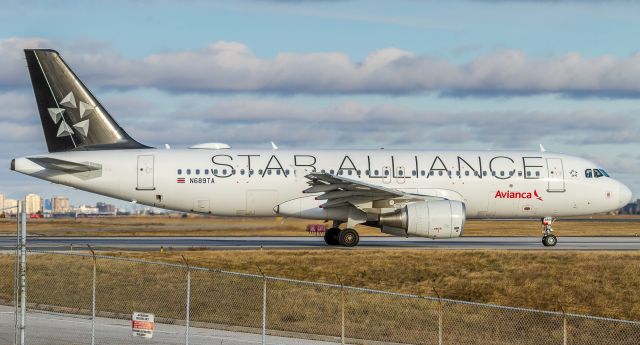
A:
(220, 226)
(595, 283)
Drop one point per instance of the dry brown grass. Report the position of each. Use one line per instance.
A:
(595, 283)
(226, 226)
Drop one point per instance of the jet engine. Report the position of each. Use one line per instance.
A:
(433, 219)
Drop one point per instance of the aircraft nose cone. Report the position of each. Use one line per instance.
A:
(625, 195)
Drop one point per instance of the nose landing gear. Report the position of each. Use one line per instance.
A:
(548, 239)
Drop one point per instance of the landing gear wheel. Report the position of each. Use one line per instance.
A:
(549, 240)
(348, 238)
(331, 236)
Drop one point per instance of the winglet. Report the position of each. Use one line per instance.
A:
(274, 146)
(542, 148)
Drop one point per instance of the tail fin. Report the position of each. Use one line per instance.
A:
(72, 119)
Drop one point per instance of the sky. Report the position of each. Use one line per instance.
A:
(405, 74)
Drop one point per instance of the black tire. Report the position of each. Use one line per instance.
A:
(348, 238)
(549, 240)
(331, 236)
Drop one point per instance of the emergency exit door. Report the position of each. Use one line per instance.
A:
(556, 175)
(145, 173)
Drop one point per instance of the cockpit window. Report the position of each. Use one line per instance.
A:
(604, 172)
(588, 173)
(597, 173)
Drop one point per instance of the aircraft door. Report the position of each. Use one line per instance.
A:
(556, 175)
(145, 173)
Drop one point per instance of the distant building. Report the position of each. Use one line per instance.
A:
(60, 204)
(103, 207)
(46, 205)
(2, 204)
(10, 206)
(33, 204)
(86, 209)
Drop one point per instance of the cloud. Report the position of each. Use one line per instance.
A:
(232, 67)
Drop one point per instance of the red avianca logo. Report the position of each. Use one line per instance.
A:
(517, 195)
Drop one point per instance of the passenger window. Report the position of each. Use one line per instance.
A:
(440, 172)
(400, 172)
(484, 173)
(197, 171)
(179, 171)
(520, 173)
(241, 171)
(431, 172)
(278, 172)
(331, 171)
(224, 171)
(386, 173)
(286, 172)
(458, 173)
(375, 173)
(268, 172)
(188, 171)
(206, 171)
(422, 172)
(250, 172)
(350, 172)
(588, 173)
(260, 172)
(597, 173)
(528, 173)
(366, 172)
(323, 171)
(493, 173)
(414, 173)
(537, 173)
(215, 171)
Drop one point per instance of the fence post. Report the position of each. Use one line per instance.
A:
(23, 269)
(342, 310)
(93, 297)
(188, 306)
(440, 312)
(16, 276)
(264, 306)
(564, 323)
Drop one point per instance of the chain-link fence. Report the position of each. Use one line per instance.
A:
(79, 298)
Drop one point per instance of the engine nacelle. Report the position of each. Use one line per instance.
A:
(433, 219)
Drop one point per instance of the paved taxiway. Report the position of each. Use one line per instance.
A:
(44, 328)
(154, 243)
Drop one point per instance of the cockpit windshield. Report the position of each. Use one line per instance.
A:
(591, 173)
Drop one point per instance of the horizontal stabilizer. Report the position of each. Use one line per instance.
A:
(65, 166)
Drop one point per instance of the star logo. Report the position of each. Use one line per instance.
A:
(573, 173)
(58, 116)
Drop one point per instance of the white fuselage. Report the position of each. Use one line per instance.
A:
(226, 182)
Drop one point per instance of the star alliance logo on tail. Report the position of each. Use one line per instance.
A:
(58, 115)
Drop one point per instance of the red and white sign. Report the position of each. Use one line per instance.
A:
(142, 325)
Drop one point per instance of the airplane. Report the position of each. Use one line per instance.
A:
(403, 193)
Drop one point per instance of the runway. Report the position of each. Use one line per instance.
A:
(155, 243)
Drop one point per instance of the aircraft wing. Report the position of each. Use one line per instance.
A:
(64, 166)
(341, 191)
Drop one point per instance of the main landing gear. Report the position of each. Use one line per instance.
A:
(344, 237)
(548, 239)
